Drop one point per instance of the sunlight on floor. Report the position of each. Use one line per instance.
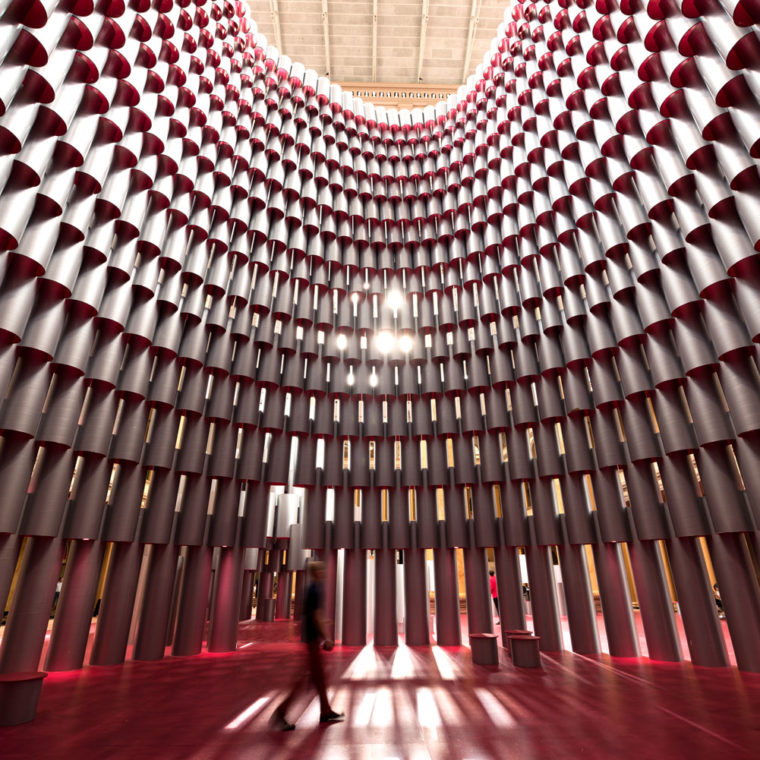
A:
(363, 713)
(364, 665)
(494, 708)
(427, 711)
(403, 666)
(444, 663)
(250, 712)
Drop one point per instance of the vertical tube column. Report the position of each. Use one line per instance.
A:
(329, 556)
(616, 600)
(386, 627)
(447, 623)
(543, 599)
(179, 574)
(355, 595)
(416, 603)
(479, 616)
(9, 548)
(314, 507)
(754, 540)
(300, 584)
(154, 616)
(73, 616)
(284, 593)
(222, 635)
(657, 613)
(30, 610)
(188, 639)
(581, 616)
(246, 596)
(266, 583)
(511, 610)
(112, 632)
(740, 595)
(695, 598)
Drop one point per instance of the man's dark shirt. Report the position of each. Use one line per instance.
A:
(312, 603)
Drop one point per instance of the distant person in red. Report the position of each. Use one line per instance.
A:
(494, 593)
(315, 637)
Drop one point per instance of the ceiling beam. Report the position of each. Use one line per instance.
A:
(399, 94)
(326, 34)
(474, 18)
(274, 10)
(423, 33)
(374, 40)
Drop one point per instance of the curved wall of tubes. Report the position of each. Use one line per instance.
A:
(515, 330)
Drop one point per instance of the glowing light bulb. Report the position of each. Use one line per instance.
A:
(341, 342)
(354, 298)
(350, 378)
(384, 341)
(405, 343)
(394, 299)
(373, 379)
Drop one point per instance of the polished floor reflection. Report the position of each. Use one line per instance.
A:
(400, 703)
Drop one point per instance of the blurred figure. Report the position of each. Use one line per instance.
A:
(718, 602)
(494, 594)
(58, 587)
(315, 637)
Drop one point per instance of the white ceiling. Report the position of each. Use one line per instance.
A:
(398, 28)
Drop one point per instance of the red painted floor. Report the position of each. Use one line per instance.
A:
(403, 703)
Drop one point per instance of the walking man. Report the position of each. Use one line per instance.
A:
(315, 637)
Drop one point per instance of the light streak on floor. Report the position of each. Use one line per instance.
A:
(494, 708)
(250, 712)
(444, 664)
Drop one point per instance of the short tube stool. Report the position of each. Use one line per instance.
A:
(484, 648)
(525, 652)
(507, 632)
(19, 694)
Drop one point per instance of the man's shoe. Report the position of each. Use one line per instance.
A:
(331, 717)
(278, 723)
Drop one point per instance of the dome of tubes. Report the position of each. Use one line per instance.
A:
(524, 318)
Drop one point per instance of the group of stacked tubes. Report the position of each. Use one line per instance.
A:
(523, 321)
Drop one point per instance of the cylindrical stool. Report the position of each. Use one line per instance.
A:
(505, 634)
(19, 694)
(484, 649)
(525, 651)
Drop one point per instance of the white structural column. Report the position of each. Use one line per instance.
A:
(274, 9)
(374, 40)
(474, 18)
(423, 33)
(326, 33)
